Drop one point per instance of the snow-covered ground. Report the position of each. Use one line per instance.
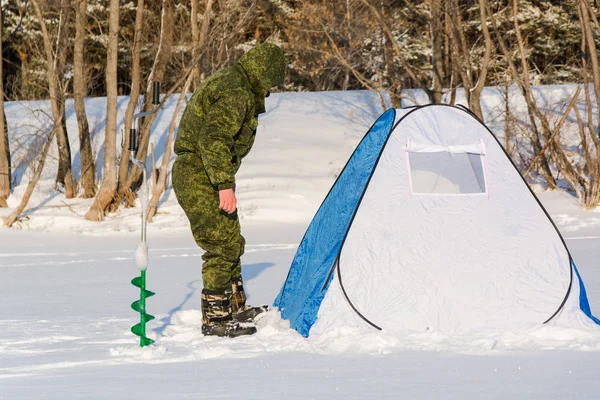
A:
(65, 291)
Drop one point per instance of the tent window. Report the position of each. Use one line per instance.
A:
(446, 173)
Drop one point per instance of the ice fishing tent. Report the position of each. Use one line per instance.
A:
(431, 226)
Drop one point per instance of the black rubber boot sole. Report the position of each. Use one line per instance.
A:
(227, 329)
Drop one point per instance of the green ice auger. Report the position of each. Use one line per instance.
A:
(141, 254)
(140, 306)
(141, 260)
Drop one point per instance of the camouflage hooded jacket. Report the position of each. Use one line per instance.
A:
(219, 123)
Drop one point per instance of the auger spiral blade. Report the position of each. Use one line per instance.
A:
(140, 307)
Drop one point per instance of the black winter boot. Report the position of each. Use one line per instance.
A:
(240, 310)
(216, 315)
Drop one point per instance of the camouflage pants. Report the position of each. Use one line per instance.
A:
(215, 231)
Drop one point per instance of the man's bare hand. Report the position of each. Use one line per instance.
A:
(227, 200)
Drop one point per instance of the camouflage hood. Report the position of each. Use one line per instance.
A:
(265, 65)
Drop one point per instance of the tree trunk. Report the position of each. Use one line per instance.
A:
(453, 78)
(591, 47)
(460, 50)
(88, 168)
(586, 86)
(593, 166)
(5, 168)
(462, 54)
(533, 111)
(449, 58)
(161, 180)
(391, 71)
(64, 175)
(10, 220)
(560, 159)
(158, 70)
(437, 37)
(589, 50)
(195, 36)
(134, 96)
(410, 71)
(508, 120)
(24, 70)
(109, 176)
(522, 80)
(203, 38)
(475, 103)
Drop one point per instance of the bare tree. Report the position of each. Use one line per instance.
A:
(391, 69)
(160, 183)
(437, 37)
(584, 179)
(556, 151)
(37, 172)
(201, 43)
(508, 117)
(236, 16)
(109, 176)
(329, 48)
(523, 82)
(590, 141)
(422, 80)
(194, 78)
(64, 175)
(88, 168)
(135, 88)
(5, 168)
(158, 70)
(475, 101)
(335, 52)
(586, 13)
(462, 50)
(195, 36)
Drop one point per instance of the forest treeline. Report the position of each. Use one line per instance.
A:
(83, 48)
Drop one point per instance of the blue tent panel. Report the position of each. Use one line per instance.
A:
(584, 304)
(311, 270)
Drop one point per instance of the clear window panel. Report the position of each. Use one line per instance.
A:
(447, 173)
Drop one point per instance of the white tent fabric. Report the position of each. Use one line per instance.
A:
(475, 148)
(452, 263)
